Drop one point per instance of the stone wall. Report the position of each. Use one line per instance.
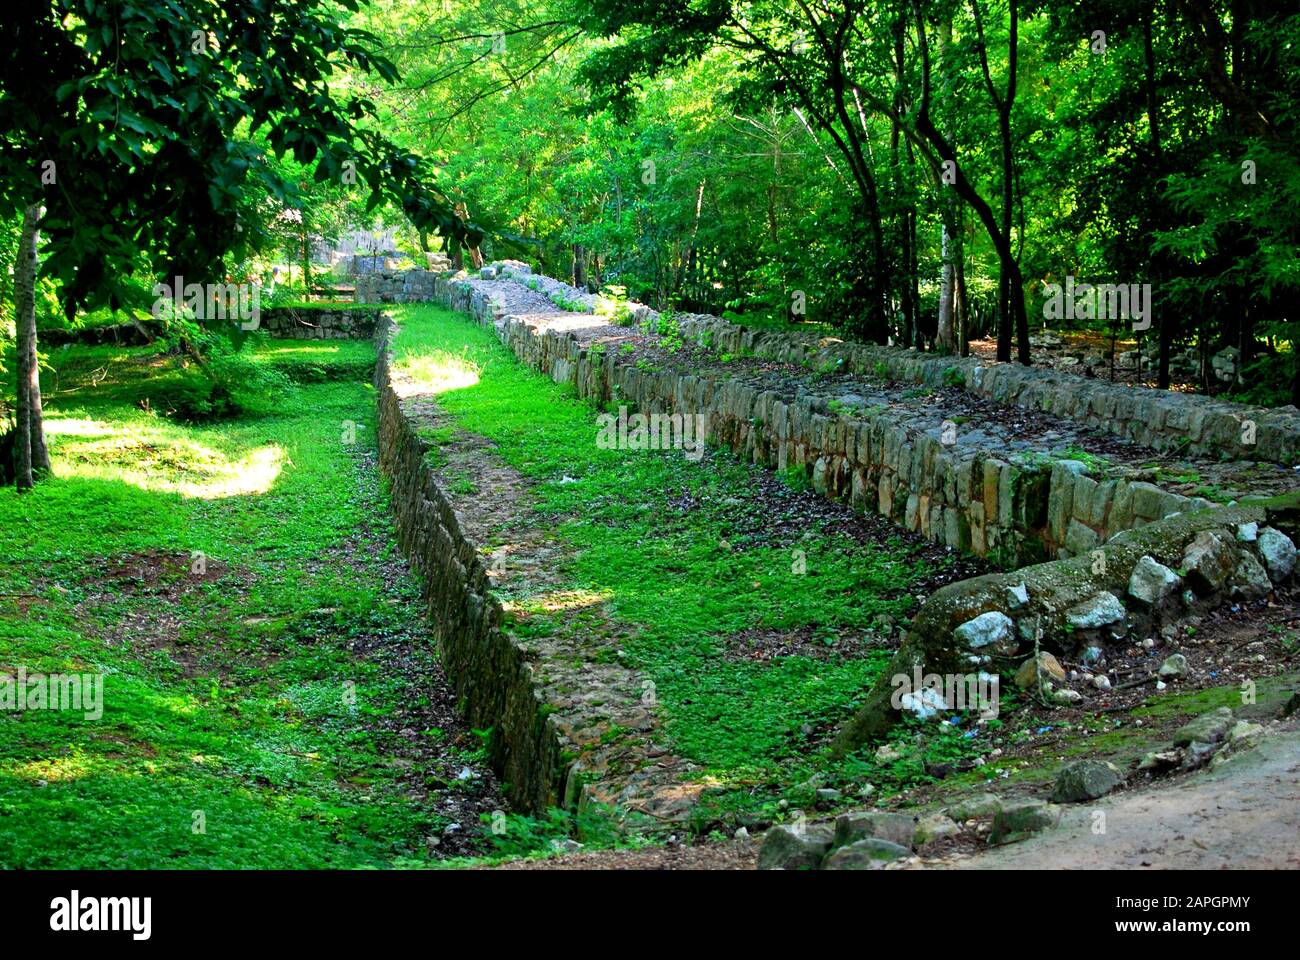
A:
(319, 323)
(1198, 425)
(1142, 580)
(1167, 557)
(136, 333)
(395, 286)
(491, 675)
(1158, 419)
(969, 500)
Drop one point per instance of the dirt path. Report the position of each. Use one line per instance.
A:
(1244, 815)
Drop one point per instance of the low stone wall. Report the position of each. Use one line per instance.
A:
(137, 333)
(1015, 512)
(319, 323)
(1157, 570)
(491, 675)
(1158, 419)
(395, 286)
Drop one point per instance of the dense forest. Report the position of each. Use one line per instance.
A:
(920, 173)
(914, 171)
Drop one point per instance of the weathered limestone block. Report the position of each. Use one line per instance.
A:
(1278, 552)
(1208, 561)
(1152, 583)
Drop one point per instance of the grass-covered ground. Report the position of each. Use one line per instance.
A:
(755, 665)
(696, 560)
(271, 699)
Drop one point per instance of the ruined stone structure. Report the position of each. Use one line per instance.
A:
(319, 323)
(1123, 555)
(395, 286)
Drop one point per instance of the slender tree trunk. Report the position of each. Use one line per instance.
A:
(31, 456)
(1011, 281)
(306, 260)
(945, 336)
(579, 266)
(946, 329)
(1164, 324)
(961, 307)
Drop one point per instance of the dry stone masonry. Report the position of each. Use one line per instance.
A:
(320, 323)
(1143, 580)
(968, 488)
(395, 286)
(570, 726)
(1155, 418)
(1123, 555)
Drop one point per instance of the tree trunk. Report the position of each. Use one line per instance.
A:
(945, 337)
(1164, 325)
(945, 334)
(579, 266)
(31, 456)
(1011, 283)
(305, 252)
(961, 306)
(306, 260)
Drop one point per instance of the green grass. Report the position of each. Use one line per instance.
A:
(242, 710)
(682, 581)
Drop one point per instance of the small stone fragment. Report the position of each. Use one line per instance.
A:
(934, 827)
(993, 630)
(1279, 553)
(1152, 582)
(1174, 666)
(897, 828)
(1209, 561)
(869, 854)
(1207, 728)
(1098, 611)
(1020, 820)
(1027, 675)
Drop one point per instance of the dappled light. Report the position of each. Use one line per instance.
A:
(162, 459)
(436, 371)
(559, 601)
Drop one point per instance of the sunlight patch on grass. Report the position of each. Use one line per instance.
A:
(60, 770)
(437, 371)
(72, 427)
(559, 601)
(158, 460)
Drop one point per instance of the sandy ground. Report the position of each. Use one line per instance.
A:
(1244, 815)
